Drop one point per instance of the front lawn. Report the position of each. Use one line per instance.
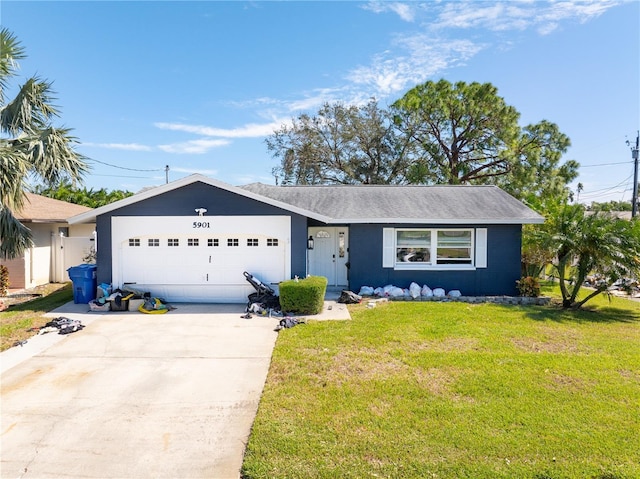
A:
(21, 321)
(453, 390)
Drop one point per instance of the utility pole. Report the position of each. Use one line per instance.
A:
(634, 155)
(166, 174)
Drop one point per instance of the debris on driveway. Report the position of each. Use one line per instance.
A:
(62, 325)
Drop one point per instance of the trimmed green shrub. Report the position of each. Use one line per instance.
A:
(303, 296)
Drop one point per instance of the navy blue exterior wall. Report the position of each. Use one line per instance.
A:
(498, 278)
(182, 202)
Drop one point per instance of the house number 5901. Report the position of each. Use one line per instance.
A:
(201, 224)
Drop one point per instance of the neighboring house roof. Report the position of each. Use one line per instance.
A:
(40, 209)
(365, 203)
(621, 215)
(446, 204)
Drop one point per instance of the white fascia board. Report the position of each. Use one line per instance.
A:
(90, 216)
(449, 221)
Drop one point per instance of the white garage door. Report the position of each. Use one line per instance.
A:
(200, 259)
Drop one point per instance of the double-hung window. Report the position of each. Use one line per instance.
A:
(432, 248)
(454, 247)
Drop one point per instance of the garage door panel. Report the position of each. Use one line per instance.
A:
(197, 293)
(204, 265)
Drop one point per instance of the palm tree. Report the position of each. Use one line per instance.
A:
(30, 146)
(585, 244)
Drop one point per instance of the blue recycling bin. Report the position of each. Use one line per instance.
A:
(84, 282)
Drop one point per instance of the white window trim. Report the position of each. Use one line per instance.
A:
(478, 250)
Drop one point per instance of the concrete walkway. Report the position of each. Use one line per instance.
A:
(135, 395)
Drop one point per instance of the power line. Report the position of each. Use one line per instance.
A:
(605, 191)
(607, 164)
(612, 187)
(606, 195)
(122, 167)
(121, 176)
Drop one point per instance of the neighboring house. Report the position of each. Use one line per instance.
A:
(51, 254)
(191, 240)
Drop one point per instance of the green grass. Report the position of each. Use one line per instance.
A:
(17, 321)
(453, 390)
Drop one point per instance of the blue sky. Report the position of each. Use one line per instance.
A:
(199, 85)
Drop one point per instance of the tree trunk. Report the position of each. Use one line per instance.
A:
(579, 304)
(566, 296)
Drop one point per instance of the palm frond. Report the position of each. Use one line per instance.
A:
(15, 238)
(52, 156)
(14, 169)
(31, 109)
(10, 52)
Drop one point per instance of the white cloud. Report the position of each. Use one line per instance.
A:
(404, 10)
(547, 19)
(501, 16)
(414, 58)
(252, 130)
(317, 98)
(193, 147)
(547, 28)
(120, 146)
(467, 15)
(262, 101)
(424, 57)
(194, 170)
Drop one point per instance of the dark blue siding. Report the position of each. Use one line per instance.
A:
(503, 263)
(182, 202)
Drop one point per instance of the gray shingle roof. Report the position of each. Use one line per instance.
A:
(340, 204)
(398, 204)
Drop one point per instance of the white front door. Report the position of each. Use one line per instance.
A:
(330, 254)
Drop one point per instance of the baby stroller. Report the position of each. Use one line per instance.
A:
(263, 295)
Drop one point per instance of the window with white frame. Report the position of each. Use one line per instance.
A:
(413, 246)
(433, 248)
(454, 247)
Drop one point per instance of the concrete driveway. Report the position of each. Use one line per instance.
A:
(138, 396)
(135, 395)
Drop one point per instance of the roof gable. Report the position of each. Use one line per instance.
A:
(159, 190)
